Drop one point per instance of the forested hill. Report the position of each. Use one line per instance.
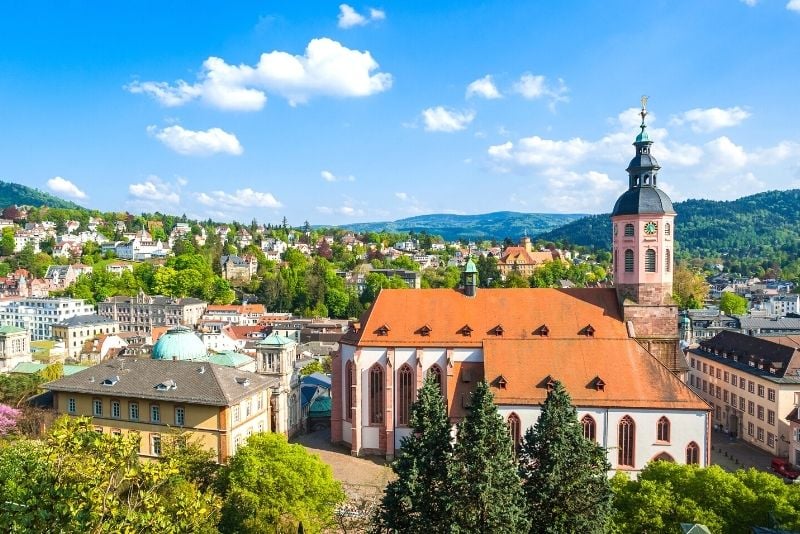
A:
(764, 225)
(497, 225)
(22, 195)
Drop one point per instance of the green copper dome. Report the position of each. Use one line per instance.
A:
(179, 343)
(470, 267)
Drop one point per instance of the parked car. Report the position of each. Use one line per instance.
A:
(784, 468)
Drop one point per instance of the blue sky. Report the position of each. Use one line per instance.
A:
(333, 113)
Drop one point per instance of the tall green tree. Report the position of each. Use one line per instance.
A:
(420, 500)
(565, 475)
(273, 486)
(487, 491)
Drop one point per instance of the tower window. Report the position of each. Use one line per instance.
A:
(629, 261)
(629, 230)
(650, 260)
(667, 229)
(667, 260)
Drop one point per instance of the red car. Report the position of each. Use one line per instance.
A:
(783, 468)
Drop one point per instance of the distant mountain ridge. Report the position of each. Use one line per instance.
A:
(22, 195)
(496, 225)
(754, 226)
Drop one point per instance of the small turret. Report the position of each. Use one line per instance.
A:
(470, 278)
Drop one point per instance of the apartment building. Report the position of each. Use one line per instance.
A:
(75, 331)
(751, 383)
(142, 312)
(38, 315)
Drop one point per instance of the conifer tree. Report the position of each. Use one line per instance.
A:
(564, 474)
(486, 488)
(419, 500)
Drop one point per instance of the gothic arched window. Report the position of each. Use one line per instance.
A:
(626, 441)
(376, 399)
(650, 260)
(349, 376)
(629, 230)
(515, 429)
(589, 427)
(629, 261)
(662, 429)
(692, 454)
(435, 372)
(667, 260)
(405, 394)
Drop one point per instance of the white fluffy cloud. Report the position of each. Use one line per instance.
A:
(62, 186)
(241, 198)
(153, 191)
(328, 176)
(349, 17)
(440, 119)
(533, 87)
(749, 3)
(484, 87)
(197, 143)
(793, 5)
(710, 119)
(580, 174)
(326, 68)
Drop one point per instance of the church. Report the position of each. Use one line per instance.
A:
(615, 349)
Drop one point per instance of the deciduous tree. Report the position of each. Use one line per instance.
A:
(273, 486)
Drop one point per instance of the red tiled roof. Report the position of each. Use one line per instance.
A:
(521, 312)
(632, 377)
(238, 308)
(242, 332)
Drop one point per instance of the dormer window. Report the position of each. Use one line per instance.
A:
(424, 330)
(588, 331)
(242, 381)
(542, 331)
(497, 330)
(166, 385)
(110, 381)
(465, 330)
(382, 330)
(501, 382)
(598, 384)
(550, 383)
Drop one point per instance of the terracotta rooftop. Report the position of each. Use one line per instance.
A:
(526, 257)
(237, 308)
(436, 317)
(595, 372)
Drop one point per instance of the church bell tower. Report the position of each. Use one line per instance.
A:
(643, 231)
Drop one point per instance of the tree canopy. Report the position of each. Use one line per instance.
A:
(271, 486)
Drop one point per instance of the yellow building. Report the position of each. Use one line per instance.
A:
(217, 406)
(77, 330)
(523, 259)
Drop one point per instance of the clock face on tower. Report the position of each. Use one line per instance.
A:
(650, 227)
